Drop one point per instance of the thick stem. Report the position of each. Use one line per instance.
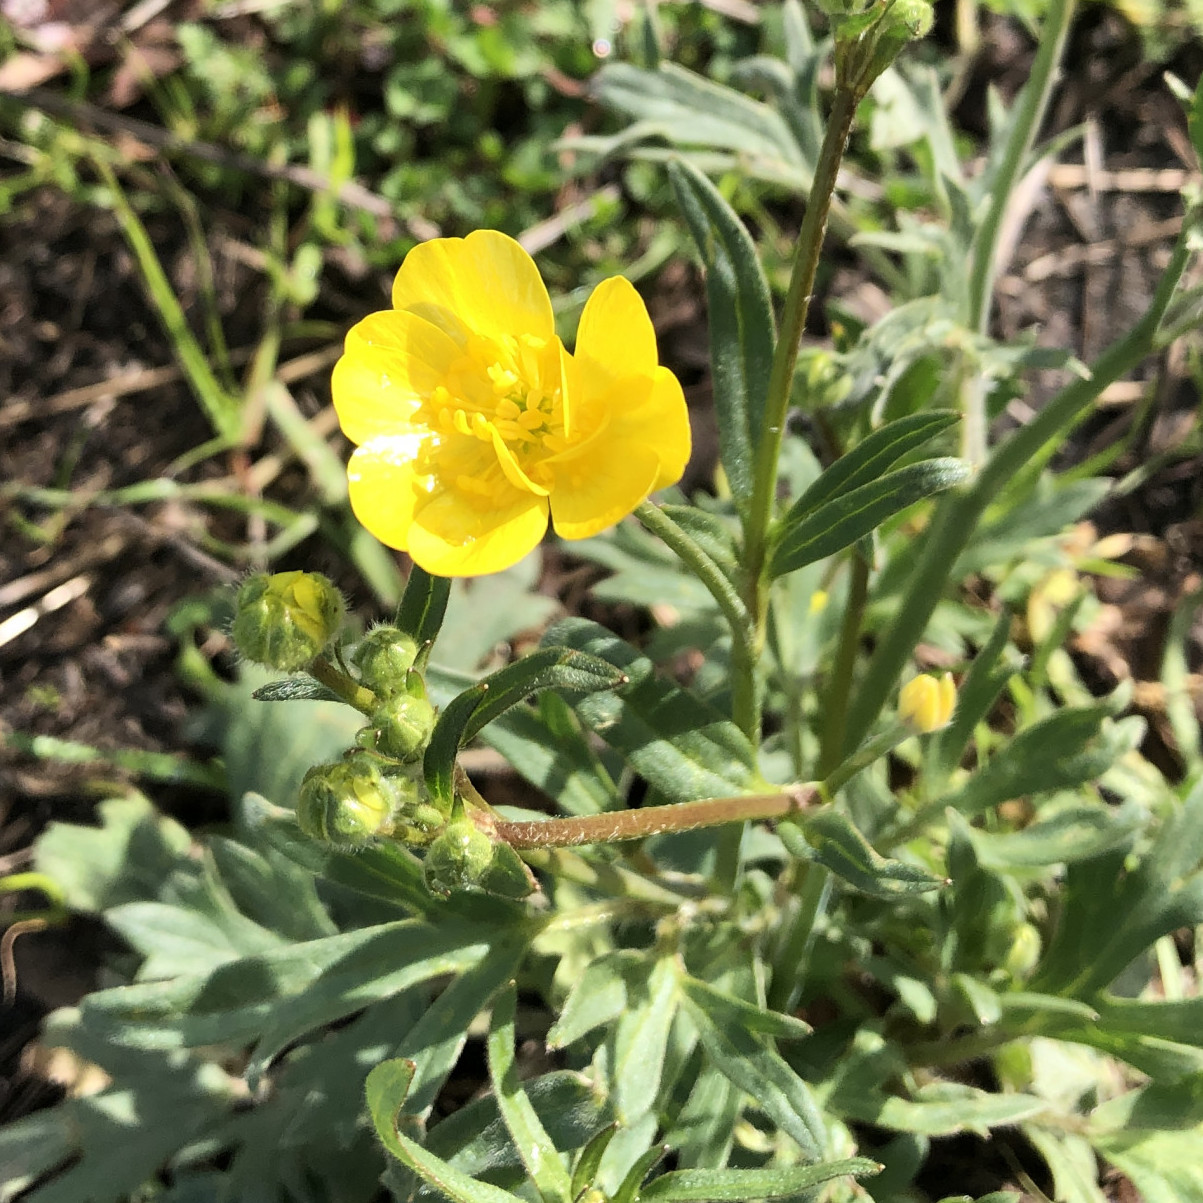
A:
(1029, 113)
(653, 820)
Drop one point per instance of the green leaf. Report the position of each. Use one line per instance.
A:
(475, 1140)
(126, 859)
(699, 1186)
(1070, 748)
(742, 328)
(690, 110)
(302, 688)
(423, 605)
(546, 746)
(841, 521)
(463, 717)
(543, 1161)
(709, 532)
(984, 681)
(598, 997)
(641, 1041)
(831, 839)
(1071, 833)
(386, 1088)
(437, 1039)
(628, 1190)
(1072, 1161)
(668, 736)
(761, 1073)
(871, 458)
(584, 1173)
(727, 1009)
(285, 992)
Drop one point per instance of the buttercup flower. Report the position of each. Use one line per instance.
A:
(927, 703)
(473, 423)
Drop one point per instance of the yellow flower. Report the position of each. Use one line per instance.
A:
(473, 423)
(926, 703)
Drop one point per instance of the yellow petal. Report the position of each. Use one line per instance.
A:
(391, 363)
(666, 425)
(484, 284)
(384, 488)
(615, 339)
(599, 488)
(512, 469)
(453, 538)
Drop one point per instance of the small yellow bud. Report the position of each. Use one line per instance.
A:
(347, 803)
(284, 621)
(927, 702)
(818, 601)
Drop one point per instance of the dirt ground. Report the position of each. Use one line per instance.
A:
(89, 399)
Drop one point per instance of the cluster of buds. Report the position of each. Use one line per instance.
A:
(290, 621)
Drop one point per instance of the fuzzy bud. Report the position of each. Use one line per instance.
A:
(401, 727)
(927, 702)
(384, 658)
(458, 859)
(348, 803)
(284, 621)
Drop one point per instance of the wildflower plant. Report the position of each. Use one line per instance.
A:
(768, 929)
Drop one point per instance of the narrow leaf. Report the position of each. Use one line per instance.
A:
(543, 1161)
(839, 522)
(701, 1186)
(386, 1088)
(742, 330)
(438, 764)
(761, 1073)
(871, 457)
(831, 839)
(641, 1043)
(727, 1009)
(423, 605)
(584, 1173)
(295, 689)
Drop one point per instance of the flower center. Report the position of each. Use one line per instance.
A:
(509, 392)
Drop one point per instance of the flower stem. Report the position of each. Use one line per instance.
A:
(793, 323)
(758, 519)
(1029, 112)
(337, 681)
(839, 681)
(700, 564)
(653, 820)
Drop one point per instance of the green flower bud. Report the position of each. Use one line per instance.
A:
(867, 43)
(284, 621)
(401, 727)
(458, 859)
(347, 803)
(383, 658)
(418, 826)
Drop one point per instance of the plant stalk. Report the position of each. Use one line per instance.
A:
(653, 820)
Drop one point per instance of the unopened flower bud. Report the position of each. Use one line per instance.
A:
(347, 803)
(384, 658)
(927, 702)
(401, 727)
(458, 859)
(868, 42)
(285, 620)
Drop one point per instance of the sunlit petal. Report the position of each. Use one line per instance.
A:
(384, 488)
(485, 284)
(596, 490)
(392, 361)
(451, 537)
(615, 338)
